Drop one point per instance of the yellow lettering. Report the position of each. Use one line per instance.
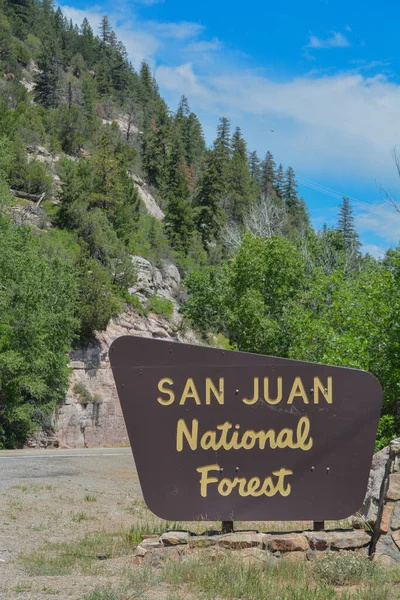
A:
(248, 440)
(253, 486)
(225, 487)
(242, 484)
(224, 432)
(255, 394)
(219, 394)
(303, 429)
(205, 480)
(326, 391)
(263, 436)
(190, 392)
(208, 441)
(285, 438)
(191, 437)
(170, 393)
(278, 391)
(281, 474)
(297, 390)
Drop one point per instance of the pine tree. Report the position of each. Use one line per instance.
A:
(240, 184)
(222, 156)
(255, 174)
(155, 138)
(21, 13)
(87, 44)
(298, 218)
(268, 176)
(255, 167)
(346, 225)
(290, 188)
(48, 82)
(183, 109)
(178, 220)
(280, 181)
(45, 24)
(209, 216)
(195, 145)
(7, 62)
(189, 129)
(105, 30)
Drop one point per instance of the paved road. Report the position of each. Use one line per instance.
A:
(22, 465)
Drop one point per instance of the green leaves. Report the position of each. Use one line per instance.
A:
(38, 293)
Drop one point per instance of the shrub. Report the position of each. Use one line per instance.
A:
(160, 306)
(347, 568)
(83, 394)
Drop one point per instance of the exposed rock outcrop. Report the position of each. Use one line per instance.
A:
(91, 414)
(147, 198)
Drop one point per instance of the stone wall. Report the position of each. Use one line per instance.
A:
(386, 544)
(308, 545)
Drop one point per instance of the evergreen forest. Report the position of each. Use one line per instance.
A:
(258, 277)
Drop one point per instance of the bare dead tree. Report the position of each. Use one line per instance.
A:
(265, 218)
(231, 236)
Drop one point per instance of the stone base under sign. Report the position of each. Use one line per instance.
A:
(179, 545)
(386, 536)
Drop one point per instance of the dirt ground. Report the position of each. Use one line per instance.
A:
(50, 499)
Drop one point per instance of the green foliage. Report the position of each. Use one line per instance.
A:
(160, 306)
(388, 429)
(37, 299)
(344, 568)
(48, 81)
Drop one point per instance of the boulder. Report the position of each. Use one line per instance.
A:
(393, 492)
(288, 542)
(386, 551)
(338, 540)
(173, 538)
(370, 506)
(230, 541)
(349, 540)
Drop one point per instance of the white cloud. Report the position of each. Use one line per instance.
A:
(334, 40)
(204, 46)
(182, 79)
(373, 250)
(345, 124)
(381, 219)
(178, 31)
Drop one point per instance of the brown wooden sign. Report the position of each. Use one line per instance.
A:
(221, 435)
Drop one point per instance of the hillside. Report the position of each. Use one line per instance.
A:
(95, 168)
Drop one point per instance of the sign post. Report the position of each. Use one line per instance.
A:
(223, 435)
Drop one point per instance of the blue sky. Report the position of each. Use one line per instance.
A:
(325, 75)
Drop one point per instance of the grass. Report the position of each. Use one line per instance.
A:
(136, 533)
(344, 568)
(61, 558)
(229, 578)
(137, 582)
(78, 517)
(90, 498)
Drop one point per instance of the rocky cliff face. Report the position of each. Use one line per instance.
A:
(91, 415)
